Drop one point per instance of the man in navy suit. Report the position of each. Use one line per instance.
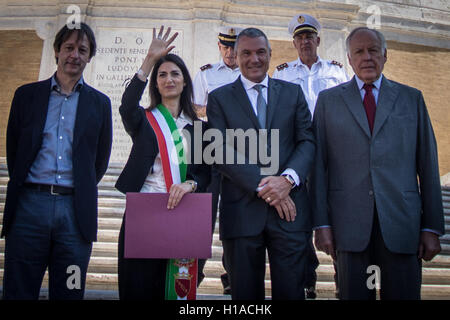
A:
(259, 211)
(58, 145)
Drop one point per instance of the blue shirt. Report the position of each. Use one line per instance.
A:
(53, 163)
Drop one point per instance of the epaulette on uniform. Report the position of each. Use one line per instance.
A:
(206, 67)
(282, 66)
(337, 63)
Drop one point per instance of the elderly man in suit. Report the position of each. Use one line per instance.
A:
(260, 211)
(377, 198)
(59, 139)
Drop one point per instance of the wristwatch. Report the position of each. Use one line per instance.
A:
(142, 73)
(193, 184)
(290, 179)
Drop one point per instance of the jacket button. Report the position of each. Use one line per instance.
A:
(370, 193)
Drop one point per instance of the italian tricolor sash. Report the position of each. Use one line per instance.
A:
(181, 274)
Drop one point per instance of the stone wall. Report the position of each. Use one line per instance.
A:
(427, 69)
(282, 51)
(20, 59)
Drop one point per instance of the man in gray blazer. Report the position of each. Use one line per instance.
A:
(376, 191)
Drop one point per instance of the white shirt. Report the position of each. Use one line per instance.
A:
(219, 74)
(252, 93)
(253, 97)
(155, 180)
(322, 75)
(375, 90)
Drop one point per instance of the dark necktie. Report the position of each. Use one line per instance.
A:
(261, 106)
(369, 104)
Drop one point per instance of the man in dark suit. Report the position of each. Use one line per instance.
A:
(259, 211)
(59, 139)
(374, 139)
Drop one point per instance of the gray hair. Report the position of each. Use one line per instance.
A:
(377, 33)
(251, 33)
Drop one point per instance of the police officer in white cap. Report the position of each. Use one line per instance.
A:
(212, 76)
(311, 72)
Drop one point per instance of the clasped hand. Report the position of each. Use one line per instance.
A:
(275, 191)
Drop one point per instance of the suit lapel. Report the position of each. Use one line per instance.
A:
(272, 99)
(83, 110)
(244, 102)
(42, 97)
(386, 98)
(352, 97)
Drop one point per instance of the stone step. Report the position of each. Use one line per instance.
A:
(108, 236)
(439, 261)
(94, 281)
(109, 179)
(436, 276)
(109, 224)
(210, 289)
(326, 290)
(435, 292)
(213, 269)
(111, 202)
(107, 266)
(104, 249)
(110, 212)
(109, 249)
(445, 249)
(110, 193)
(445, 239)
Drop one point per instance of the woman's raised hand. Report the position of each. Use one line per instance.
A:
(160, 45)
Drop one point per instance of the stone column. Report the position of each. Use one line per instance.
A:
(46, 31)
